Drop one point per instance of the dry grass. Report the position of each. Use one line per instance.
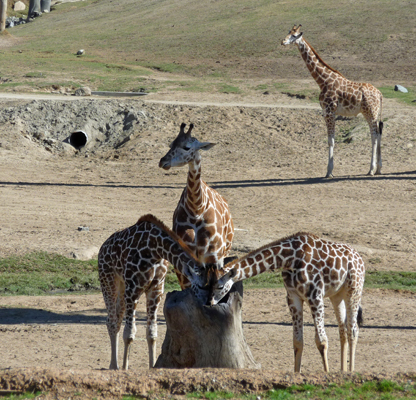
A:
(210, 42)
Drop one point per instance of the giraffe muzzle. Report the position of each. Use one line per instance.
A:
(162, 164)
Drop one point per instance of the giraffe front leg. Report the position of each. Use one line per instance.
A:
(330, 126)
(153, 299)
(296, 310)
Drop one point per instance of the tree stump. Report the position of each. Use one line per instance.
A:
(200, 336)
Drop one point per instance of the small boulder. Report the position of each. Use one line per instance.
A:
(19, 6)
(399, 88)
(83, 91)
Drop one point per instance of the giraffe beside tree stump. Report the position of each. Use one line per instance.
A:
(132, 262)
(312, 269)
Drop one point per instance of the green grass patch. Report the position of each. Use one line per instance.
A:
(408, 98)
(21, 396)
(226, 88)
(394, 280)
(369, 390)
(43, 273)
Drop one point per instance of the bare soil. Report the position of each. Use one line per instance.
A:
(269, 163)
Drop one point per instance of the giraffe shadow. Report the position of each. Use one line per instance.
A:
(233, 184)
(364, 326)
(22, 316)
(311, 181)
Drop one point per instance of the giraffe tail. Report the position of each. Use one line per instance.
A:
(380, 124)
(380, 127)
(360, 319)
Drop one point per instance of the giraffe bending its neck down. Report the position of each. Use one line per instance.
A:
(202, 217)
(132, 261)
(340, 96)
(312, 268)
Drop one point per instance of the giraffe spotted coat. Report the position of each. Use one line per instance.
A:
(340, 96)
(312, 269)
(132, 262)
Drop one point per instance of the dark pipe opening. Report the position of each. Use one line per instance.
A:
(78, 139)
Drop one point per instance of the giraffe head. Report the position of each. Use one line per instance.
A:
(183, 149)
(218, 283)
(293, 36)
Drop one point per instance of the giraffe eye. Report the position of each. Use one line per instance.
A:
(186, 148)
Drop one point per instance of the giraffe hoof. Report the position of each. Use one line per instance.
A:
(327, 176)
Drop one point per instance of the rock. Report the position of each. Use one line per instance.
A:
(85, 253)
(80, 52)
(19, 6)
(400, 88)
(83, 91)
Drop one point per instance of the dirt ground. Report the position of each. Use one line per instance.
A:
(269, 163)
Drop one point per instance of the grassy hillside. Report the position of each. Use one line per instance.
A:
(128, 42)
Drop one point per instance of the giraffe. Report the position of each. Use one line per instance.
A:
(132, 262)
(340, 96)
(312, 269)
(202, 217)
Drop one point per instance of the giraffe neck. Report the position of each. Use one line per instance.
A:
(195, 196)
(270, 257)
(320, 71)
(164, 243)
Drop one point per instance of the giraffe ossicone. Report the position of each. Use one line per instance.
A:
(133, 261)
(202, 218)
(312, 269)
(340, 96)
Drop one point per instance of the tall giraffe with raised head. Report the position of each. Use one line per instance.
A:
(312, 269)
(340, 96)
(132, 262)
(202, 217)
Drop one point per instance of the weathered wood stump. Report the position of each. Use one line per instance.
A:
(201, 336)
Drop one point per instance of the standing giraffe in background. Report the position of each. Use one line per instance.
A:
(202, 218)
(132, 262)
(340, 96)
(312, 268)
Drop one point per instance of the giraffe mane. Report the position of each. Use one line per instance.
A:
(322, 61)
(231, 264)
(156, 221)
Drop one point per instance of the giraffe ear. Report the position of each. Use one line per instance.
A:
(182, 129)
(191, 126)
(205, 145)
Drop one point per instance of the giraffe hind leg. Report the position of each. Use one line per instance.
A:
(340, 313)
(296, 310)
(130, 329)
(112, 288)
(321, 340)
(330, 126)
(375, 165)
